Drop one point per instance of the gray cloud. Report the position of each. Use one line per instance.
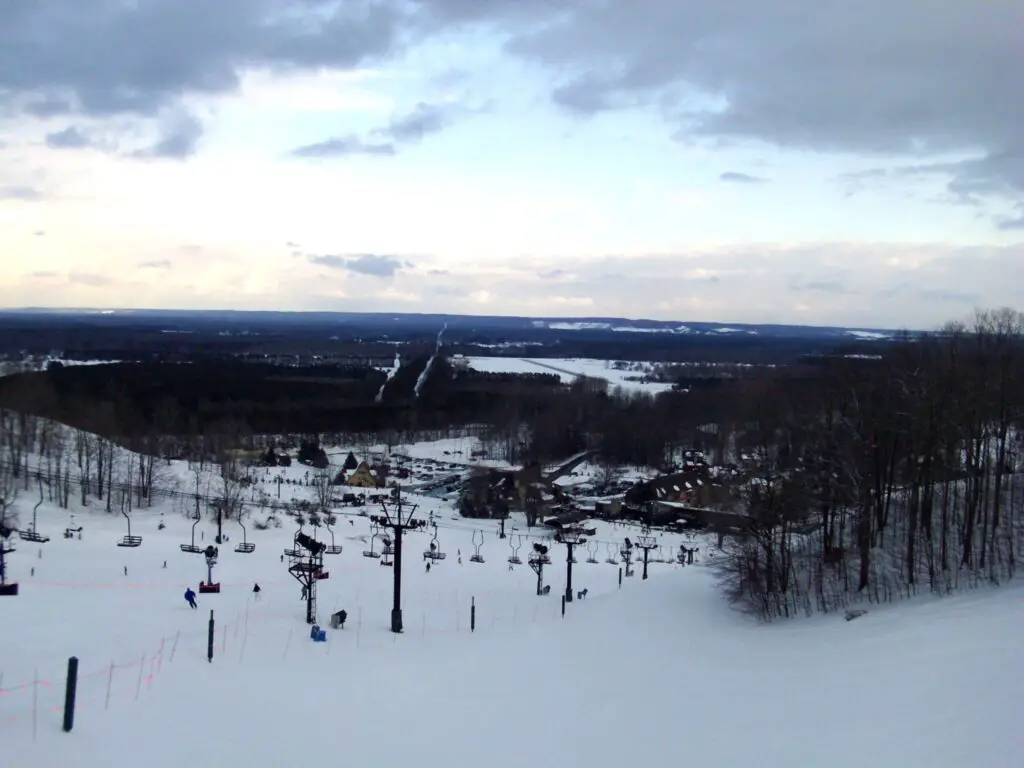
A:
(741, 178)
(90, 279)
(913, 286)
(365, 264)
(414, 126)
(105, 59)
(822, 286)
(343, 146)
(69, 138)
(178, 138)
(20, 192)
(942, 294)
(1016, 222)
(873, 77)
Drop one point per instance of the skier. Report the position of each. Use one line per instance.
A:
(190, 597)
(428, 566)
(256, 591)
(126, 570)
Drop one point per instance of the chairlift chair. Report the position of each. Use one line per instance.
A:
(591, 552)
(193, 548)
(333, 548)
(371, 552)
(434, 551)
(514, 559)
(540, 555)
(389, 547)
(129, 540)
(32, 532)
(246, 547)
(476, 557)
(611, 559)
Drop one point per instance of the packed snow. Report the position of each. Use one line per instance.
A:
(650, 672)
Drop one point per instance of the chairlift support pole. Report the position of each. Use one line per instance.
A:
(646, 542)
(399, 518)
(572, 537)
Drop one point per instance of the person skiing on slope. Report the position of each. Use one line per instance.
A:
(256, 591)
(190, 597)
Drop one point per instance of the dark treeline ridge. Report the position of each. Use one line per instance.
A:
(285, 338)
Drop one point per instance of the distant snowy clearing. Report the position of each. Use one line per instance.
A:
(568, 369)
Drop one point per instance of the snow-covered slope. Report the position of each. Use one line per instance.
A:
(658, 672)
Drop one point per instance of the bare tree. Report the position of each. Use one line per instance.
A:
(323, 487)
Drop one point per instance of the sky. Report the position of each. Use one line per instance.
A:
(793, 161)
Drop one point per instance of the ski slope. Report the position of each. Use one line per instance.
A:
(655, 672)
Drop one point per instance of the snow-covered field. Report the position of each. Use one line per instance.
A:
(655, 672)
(570, 368)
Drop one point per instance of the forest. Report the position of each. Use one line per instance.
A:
(864, 477)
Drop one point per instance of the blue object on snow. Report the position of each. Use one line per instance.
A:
(317, 635)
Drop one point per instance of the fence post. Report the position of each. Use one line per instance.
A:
(110, 682)
(138, 685)
(35, 704)
(620, 577)
(209, 639)
(70, 689)
(563, 606)
(472, 614)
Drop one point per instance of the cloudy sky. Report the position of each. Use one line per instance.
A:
(802, 161)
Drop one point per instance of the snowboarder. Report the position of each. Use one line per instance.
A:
(126, 570)
(305, 591)
(165, 563)
(256, 591)
(428, 566)
(190, 597)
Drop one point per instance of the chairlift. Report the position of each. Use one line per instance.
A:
(434, 552)
(34, 536)
(246, 547)
(476, 557)
(193, 548)
(129, 540)
(611, 559)
(333, 548)
(540, 555)
(389, 546)
(209, 587)
(591, 552)
(515, 559)
(371, 552)
(32, 532)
